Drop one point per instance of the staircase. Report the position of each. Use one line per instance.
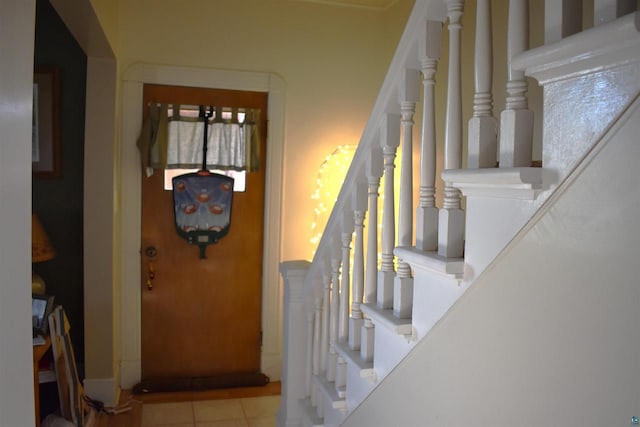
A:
(353, 314)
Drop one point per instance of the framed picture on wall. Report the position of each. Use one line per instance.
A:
(45, 147)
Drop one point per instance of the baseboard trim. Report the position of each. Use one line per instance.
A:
(272, 365)
(103, 389)
(130, 373)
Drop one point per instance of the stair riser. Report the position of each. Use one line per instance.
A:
(433, 295)
(389, 350)
(358, 387)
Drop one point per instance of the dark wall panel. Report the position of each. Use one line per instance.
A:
(59, 201)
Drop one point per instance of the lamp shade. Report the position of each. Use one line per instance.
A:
(41, 247)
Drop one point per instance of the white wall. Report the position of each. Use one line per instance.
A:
(549, 334)
(17, 29)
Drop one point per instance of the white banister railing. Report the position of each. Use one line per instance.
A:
(346, 308)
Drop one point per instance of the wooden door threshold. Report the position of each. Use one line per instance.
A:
(270, 389)
(223, 381)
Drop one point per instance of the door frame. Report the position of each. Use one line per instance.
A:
(129, 229)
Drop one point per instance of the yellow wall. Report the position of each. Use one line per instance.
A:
(107, 13)
(332, 59)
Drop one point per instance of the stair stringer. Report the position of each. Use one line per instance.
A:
(547, 335)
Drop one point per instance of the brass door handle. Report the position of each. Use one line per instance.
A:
(151, 252)
(151, 274)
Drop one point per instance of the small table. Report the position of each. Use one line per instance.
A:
(38, 353)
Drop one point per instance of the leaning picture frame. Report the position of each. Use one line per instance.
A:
(45, 141)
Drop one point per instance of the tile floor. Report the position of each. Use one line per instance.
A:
(241, 412)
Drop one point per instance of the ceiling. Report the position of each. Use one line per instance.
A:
(366, 4)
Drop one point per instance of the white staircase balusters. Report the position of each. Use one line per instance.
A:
(356, 320)
(430, 44)
(346, 236)
(561, 19)
(389, 140)
(335, 310)
(483, 127)
(324, 337)
(341, 377)
(374, 173)
(403, 283)
(308, 364)
(451, 216)
(315, 362)
(608, 10)
(516, 121)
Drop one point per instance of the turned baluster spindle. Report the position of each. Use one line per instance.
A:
(608, 10)
(317, 326)
(451, 216)
(335, 311)
(345, 282)
(390, 140)
(309, 354)
(403, 283)
(324, 337)
(427, 213)
(359, 209)
(453, 130)
(407, 110)
(315, 365)
(516, 121)
(483, 127)
(374, 173)
(562, 18)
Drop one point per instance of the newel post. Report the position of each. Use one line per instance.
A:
(294, 337)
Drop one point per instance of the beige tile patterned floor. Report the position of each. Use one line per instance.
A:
(243, 412)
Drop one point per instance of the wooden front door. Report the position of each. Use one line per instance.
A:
(202, 317)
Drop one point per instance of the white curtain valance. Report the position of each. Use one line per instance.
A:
(173, 137)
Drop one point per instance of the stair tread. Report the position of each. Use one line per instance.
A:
(385, 317)
(330, 392)
(430, 260)
(310, 413)
(355, 358)
(522, 183)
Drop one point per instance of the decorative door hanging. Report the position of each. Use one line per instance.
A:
(202, 201)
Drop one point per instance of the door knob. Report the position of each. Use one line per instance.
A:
(151, 251)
